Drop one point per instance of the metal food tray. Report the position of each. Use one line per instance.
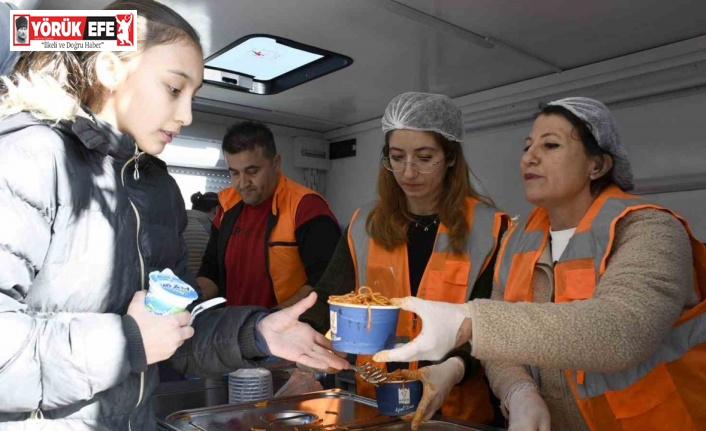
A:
(316, 411)
(323, 410)
(434, 425)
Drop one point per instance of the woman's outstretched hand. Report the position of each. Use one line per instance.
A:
(290, 339)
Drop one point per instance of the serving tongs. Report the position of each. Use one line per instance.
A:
(370, 373)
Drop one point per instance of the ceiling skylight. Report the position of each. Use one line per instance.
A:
(265, 64)
(262, 58)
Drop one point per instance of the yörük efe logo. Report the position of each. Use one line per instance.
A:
(73, 30)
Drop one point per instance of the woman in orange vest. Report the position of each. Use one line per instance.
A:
(430, 235)
(603, 325)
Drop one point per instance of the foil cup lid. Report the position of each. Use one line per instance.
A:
(172, 284)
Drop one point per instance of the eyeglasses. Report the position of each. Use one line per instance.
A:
(422, 166)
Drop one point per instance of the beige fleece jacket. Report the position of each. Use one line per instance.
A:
(645, 287)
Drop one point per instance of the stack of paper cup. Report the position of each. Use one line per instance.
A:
(249, 384)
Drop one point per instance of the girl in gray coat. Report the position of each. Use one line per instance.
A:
(87, 212)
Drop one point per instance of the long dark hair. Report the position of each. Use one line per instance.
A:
(388, 221)
(68, 79)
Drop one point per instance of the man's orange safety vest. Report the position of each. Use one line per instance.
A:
(284, 263)
(448, 277)
(667, 391)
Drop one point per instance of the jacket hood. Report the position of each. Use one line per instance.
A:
(92, 132)
(17, 122)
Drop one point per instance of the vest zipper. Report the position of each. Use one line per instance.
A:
(269, 227)
(136, 176)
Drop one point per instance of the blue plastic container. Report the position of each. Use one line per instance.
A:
(398, 398)
(349, 327)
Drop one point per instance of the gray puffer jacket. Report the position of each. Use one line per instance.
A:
(83, 222)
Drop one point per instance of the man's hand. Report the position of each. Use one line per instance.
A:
(161, 335)
(208, 288)
(438, 380)
(290, 339)
(443, 329)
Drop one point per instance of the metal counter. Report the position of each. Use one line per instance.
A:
(317, 411)
(170, 397)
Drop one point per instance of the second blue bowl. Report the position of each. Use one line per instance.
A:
(399, 398)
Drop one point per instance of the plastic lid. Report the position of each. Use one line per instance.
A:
(172, 284)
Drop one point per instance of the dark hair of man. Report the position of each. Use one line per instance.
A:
(204, 202)
(585, 135)
(248, 135)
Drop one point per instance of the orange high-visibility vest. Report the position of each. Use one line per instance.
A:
(284, 263)
(667, 391)
(448, 277)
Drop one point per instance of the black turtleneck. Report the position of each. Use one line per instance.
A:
(420, 243)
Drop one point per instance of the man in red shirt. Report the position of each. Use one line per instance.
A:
(272, 238)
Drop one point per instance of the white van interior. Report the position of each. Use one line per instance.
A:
(496, 58)
(323, 71)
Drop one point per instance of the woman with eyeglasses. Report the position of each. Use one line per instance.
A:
(598, 315)
(430, 234)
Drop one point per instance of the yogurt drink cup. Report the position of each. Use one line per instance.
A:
(168, 294)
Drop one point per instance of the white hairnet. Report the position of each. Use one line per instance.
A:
(424, 112)
(605, 130)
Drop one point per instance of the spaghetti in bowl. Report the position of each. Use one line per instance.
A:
(362, 322)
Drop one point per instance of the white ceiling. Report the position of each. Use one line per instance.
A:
(423, 45)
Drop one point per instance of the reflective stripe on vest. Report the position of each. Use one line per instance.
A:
(530, 241)
(360, 238)
(593, 243)
(447, 277)
(679, 340)
(584, 244)
(661, 391)
(480, 239)
(284, 264)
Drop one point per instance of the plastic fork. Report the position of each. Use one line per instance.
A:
(205, 306)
